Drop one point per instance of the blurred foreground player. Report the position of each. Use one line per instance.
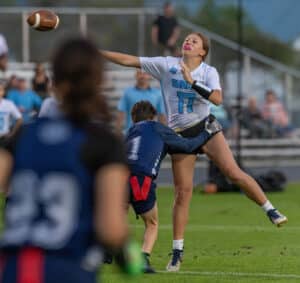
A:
(67, 181)
(148, 142)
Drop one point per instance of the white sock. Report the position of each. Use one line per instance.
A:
(178, 244)
(267, 206)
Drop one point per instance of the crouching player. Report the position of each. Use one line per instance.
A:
(148, 142)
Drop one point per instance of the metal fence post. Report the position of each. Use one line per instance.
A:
(83, 24)
(141, 34)
(247, 75)
(288, 89)
(25, 38)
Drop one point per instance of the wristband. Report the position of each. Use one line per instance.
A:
(201, 89)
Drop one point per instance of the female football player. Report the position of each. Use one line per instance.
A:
(188, 86)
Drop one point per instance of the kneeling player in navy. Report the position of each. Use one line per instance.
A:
(67, 179)
(148, 142)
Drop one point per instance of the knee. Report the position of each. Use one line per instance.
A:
(152, 223)
(183, 194)
(235, 176)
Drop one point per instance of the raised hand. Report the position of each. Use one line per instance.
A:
(186, 72)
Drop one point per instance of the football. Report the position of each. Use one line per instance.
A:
(43, 20)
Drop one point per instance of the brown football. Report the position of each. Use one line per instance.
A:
(43, 20)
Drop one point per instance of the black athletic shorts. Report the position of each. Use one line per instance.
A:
(142, 193)
(196, 130)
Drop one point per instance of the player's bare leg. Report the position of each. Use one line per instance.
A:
(150, 219)
(219, 152)
(151, 229)
(183, 173)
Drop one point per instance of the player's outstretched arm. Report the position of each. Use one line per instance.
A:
(110, 214)
(187, 145)
(121, 58)
(6, 164)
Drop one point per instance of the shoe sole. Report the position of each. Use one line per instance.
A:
(171, 268)
(279, 224)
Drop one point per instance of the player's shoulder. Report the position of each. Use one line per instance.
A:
(7, 103)
(129, 90)
(208, 68)
(173, 60)
(155, 91)
(173, 64)
(141, 126)
(50, 100)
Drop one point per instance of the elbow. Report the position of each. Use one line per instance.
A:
(218, 101)
(216, 97)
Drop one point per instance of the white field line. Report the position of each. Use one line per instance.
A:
(199, 227)
(236, 274)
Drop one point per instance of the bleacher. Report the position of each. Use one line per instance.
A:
(254, 152)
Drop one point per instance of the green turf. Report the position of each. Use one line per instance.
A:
(228, 239)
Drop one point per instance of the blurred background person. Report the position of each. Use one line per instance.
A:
(3, 53)
(12, 84)
(274, 111)
(253, 121)
(222, 115)
(165, 31)
(27, 101)
(75, 177)
(10, 117)
(141, 91)
(40, 81)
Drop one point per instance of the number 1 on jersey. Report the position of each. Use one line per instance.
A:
(185, 100)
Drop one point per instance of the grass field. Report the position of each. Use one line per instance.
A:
(228, 239)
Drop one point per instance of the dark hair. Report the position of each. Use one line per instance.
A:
(205, 42)
(78, 68)
(167, 4)
(270, 91)
(143, 110)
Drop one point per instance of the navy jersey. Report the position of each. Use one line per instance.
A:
(51, 196)
(149, 141)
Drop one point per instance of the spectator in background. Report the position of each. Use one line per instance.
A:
(10, 117)
(3, 53)
(12, 84)
(40, 81)
(220, 112)
(165, 31)
(274, 111)
(253, 121)
(27, 101)
(132, 95)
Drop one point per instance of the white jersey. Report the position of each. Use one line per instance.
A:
(8, 113)
(184, 106)
(50, 108)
